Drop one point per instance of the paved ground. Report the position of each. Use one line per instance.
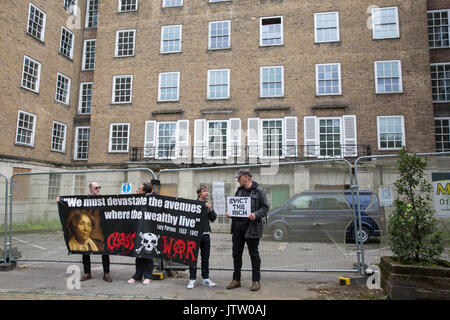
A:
(48, 281)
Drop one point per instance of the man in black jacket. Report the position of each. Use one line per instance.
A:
(248, 230)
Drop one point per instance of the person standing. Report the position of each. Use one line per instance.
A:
(248, 229)
(94, 190)
(144, 266)
(205, 242)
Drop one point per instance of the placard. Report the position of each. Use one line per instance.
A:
(239, 206)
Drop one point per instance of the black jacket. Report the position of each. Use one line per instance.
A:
(212, 215)
(259, 206)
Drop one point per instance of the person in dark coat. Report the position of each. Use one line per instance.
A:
(248, 229)
(205, 242)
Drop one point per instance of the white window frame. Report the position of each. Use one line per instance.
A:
(116, 48)
(448, 28)
(61, 48)
(63, 144)
(163, 40)
(165, 5)
(75, 154)
(178, 86)
(114, 89)
(44, 20)
(379, 127)
(261, 31)
(447, 64)
(38, 77)
(66, 102)
(112, 125)
(441, 134)
(341, 136)
(91, 13)
(79, 184)
(261, 90)
(210, 36)
(80, 99)
(339, 80)
(83, 66)
(209, 84)
(157, 144)
(400, 77)
(316, 15)
(71, 8)
(374, 23)
(33, 130)
(208, 149)
(119, 8)
(283, 138)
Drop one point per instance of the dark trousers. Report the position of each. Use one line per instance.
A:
(87, 263)
(239, 241)
(205, 248)
(144, 267)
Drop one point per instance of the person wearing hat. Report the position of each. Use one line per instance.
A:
(249, 229)
(205, 242)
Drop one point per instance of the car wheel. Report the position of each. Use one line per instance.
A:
(363, 235)
(279, 233)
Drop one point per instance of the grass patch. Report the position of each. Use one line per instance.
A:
(36, 225)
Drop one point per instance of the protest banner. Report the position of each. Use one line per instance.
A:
(133, 225)
(239, 206)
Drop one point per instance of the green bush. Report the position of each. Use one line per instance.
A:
(415, 238)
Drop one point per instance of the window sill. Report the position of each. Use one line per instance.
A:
(113, 104)
(171, 52)
(271, 45)
(218, 49)
(121, 57)
(19, 144)
(331, 42)
(42, 42)
(68, 58)
(28, 89)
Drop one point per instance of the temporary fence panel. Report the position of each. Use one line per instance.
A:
(36, 227)
(309, 225)
(378, 173)
(3, 218)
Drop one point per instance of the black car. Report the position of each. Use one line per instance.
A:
(326, 215)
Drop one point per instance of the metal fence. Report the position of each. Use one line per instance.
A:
(3, 216)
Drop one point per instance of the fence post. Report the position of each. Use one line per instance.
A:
(6, 219)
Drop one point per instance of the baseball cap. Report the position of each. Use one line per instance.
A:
(243, 172)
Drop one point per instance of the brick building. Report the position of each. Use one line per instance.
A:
(92, 83)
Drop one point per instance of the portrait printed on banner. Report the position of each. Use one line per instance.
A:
(84, 232)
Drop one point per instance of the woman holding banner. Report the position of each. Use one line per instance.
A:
(144, 266)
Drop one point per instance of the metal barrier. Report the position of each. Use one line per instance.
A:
(380, 172)
(327, 246)
(33, 209)
(4, 218)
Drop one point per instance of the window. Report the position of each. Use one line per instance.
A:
(26, 124)
(442, 134)
(70, 5)
(385, 23)
(91, 13)
(332, 202)
(67, 41)
(166, 139)
(326, 25)
(58, 137)
(391, 132)
(82, 143)
(219, 84)
(272, 138)
(89, 54)
(31, 74)
(128, 5)
(36, 22)
(330, 137)
(438, 29)
(118, 137)
(328, 79)
(217, 139)
(172, 3)
(169, 86)
(272, 82)
(62, 88)
(54, 186)
(388, 77)
(440, 82)
(219, 35)
(302, 203)
(125, 43)
(85, 103)
(79, 184)
(271, 31)
(122, 89)
(171, 39)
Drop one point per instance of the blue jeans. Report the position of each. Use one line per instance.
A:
(205, 247)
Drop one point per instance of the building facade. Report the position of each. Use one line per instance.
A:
(92, 83)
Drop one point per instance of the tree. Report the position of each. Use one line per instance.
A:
(415, 238)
